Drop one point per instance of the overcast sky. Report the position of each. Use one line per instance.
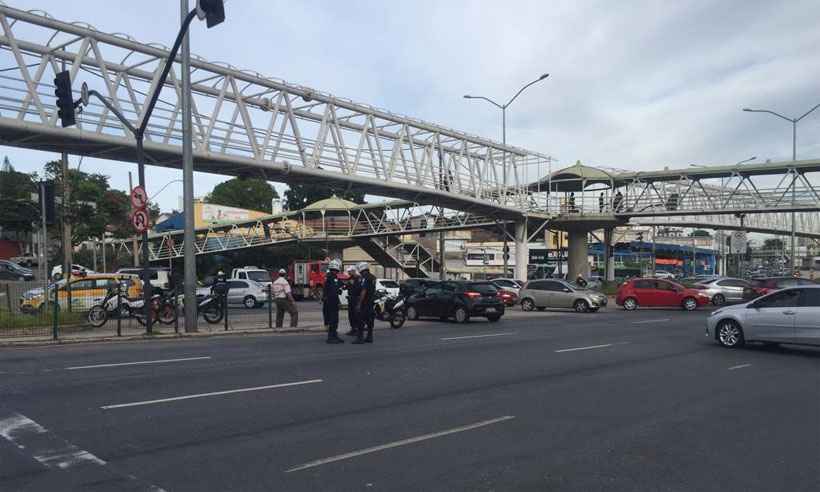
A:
(633, 85)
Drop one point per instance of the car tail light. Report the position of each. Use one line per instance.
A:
(472, 294)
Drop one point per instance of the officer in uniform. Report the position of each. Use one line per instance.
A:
(330, 301)
(354, 289)
(220, 288)
(366, 303)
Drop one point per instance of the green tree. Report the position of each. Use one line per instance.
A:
(299, 196)
(773, 244)
(18, 212)
(248, 193)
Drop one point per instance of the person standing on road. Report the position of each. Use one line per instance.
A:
(366, 303)
(330, 301)
(283, 297)
(354, 289)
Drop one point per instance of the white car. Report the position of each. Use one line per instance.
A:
(785, 316)
(57, 271)
(666, 275)
(509, 284)
(387, 285)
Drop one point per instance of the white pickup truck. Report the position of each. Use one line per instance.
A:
(256, 274)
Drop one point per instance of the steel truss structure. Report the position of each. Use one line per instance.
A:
(807, 224)
(397, 218)
(244, 123)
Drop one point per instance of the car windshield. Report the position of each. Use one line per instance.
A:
(389, 284)
(575, 286)
(259, 276)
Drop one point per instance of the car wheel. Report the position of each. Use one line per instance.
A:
(730, 334)
(690, 304)
(581, 306)
(494, 319)
(527, 304)
(718, 300)
(412, 313)
(249, 302)
(630, 304)
(461, 315)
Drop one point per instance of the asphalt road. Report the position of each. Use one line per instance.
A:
(538, 401)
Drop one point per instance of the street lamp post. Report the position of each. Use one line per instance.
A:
(213, 12)
(503, 108)
(794, 122)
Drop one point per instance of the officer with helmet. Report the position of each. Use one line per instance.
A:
(354, 289)
(366, 302)
(330, 301)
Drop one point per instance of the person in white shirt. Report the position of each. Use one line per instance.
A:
(283, 297)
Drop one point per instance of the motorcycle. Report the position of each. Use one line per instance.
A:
(211, 306)
(390, 308)
(114, 304)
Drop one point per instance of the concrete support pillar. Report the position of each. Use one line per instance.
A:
(578, 252)
(522, 251)
(609, 254)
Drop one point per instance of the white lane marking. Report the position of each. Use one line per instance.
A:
(395, 444)
(215, 393)
(138, 363)
(591, 347)
(741, 366)
(480, 336)
(650, 321)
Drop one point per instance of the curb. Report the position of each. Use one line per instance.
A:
(163, 336)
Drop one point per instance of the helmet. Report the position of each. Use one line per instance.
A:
(363, 266)
(282, 271)
(220, 275)
(335, 265)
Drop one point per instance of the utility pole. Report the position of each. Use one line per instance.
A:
(189, 282)
(442, 273)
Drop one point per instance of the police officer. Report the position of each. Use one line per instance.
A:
(366, 303)
(354, 289)
(330, 301)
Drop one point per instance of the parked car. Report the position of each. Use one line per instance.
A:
(556, 293)
(412, 285)
(83, 292)
(27, 260)
(506, 284)
(249, 293)
(726, 289)
(790, 315)
(10, 270)
(651, 292)
(76, 270)
(160, 277)
(387, 285)
(770, 284)
(460, 300)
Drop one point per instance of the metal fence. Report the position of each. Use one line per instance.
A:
(26, 313)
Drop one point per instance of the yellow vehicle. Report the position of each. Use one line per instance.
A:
(85, 292)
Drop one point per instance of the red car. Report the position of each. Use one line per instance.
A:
(651, 292)
(508, 297)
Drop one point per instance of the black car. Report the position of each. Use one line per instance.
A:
(12, 271)
(457, 300)
(416, 285)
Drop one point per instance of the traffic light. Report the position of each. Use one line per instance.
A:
(65, 101)
(213, 11)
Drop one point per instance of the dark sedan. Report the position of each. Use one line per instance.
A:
(458, 300)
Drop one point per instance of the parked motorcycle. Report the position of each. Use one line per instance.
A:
(390, 308)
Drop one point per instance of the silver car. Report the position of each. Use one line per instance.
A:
(726, 289)
(247, 292)
(786, 316)
(554, 293)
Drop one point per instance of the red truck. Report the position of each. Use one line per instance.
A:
(308, 279)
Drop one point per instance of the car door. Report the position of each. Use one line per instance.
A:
(558, 297)
(807, 319)
(425, 300)
(732, 288)
(773, 317)
(665, 294)
(534, 292)
(237, 289)
(645, 292)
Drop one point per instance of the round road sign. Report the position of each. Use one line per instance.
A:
(139, 219)
(139, 198)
